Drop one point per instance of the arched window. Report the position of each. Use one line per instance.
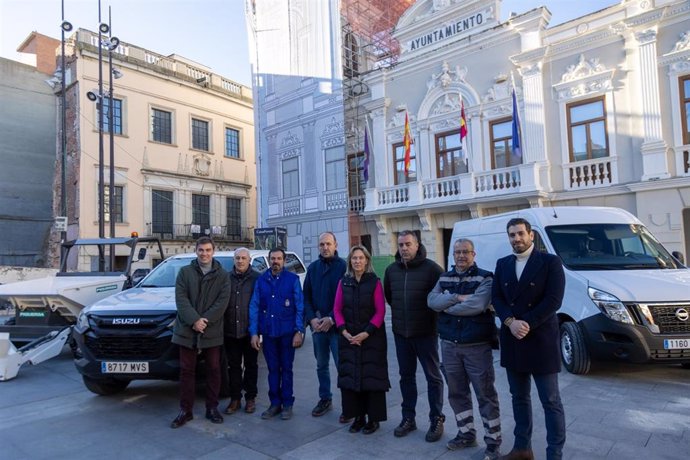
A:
(351, 56)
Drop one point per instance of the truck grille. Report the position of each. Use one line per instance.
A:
(665, 317)
(136, 348)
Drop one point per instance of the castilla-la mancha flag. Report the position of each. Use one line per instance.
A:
(407, 142)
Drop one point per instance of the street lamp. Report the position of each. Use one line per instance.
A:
(65, 26)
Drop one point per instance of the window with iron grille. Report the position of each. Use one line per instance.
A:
(232, 143)
(161, 126)
(199, 134)
(234, 217)
(450, 157)
(501, 132)
(587, 130)
(117, 115)
(118, 213)
(201, 215)
(162, 212)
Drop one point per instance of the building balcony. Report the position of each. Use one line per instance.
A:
(190, 232)
(499, 182)
(600, 172)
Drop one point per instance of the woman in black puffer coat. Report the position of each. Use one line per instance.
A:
(359, 312)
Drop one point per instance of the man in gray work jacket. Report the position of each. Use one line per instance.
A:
(462, 297)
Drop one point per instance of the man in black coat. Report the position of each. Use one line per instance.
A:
(243, 369)
(526, 294)
(407, 283)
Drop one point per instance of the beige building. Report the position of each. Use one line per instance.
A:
(183, 148)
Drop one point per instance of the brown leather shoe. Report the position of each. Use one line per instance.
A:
(519, 454)
(214, 416)
(233, 407)
(250, 406)
(343, 419)
(182, 418)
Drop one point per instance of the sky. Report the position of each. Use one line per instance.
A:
(210, 32)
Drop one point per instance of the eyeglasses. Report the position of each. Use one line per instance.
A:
(462, 252)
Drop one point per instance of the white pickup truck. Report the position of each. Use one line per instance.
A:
(46, 308)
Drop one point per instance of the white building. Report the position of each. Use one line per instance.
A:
(604, 102)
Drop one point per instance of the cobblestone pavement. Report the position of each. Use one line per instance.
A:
(615, 412)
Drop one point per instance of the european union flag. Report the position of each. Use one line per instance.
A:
(517, 138)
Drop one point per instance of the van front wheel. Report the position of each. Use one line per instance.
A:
(573, 349)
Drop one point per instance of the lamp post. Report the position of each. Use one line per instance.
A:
(110, 43)
(65, 26)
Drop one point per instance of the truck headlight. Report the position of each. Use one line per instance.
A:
(83, 322)
(610, 306)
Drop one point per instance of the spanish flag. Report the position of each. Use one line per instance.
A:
(407, 141)
(463, 122)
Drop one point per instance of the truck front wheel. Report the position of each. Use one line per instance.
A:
(573, 349)
(105, 387)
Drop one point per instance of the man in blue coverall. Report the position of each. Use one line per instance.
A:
(276, 311)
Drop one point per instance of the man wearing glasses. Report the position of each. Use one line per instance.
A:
(462, 297)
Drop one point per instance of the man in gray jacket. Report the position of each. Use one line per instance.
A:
(202, 290)
(462, 298)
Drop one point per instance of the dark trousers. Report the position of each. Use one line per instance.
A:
(188, 359)
(243, 370)
(279, 354)
(554, 417)
(424, 349)
(371, 404)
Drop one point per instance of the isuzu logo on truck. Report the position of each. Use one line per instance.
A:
(125, 321)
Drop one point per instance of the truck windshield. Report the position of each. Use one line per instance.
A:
(609, 247)
(165, 274)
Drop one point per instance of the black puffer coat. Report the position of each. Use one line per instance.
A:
(365, 367)
(237, 313)
(406, 287)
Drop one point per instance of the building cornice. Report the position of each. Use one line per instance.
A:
(171, 174)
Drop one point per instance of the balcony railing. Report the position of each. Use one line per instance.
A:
(291, 207)
(441, 189)
(357, 203)
(521, 178)
(336, 200)
(505, 179)
(190, 232)
(600, 172)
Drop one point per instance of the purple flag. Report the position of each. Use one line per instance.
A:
(366, 155)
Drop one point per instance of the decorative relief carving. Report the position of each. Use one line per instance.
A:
(582, 69)
(499, 90)
(682, 44)
(532, 69)
(646, 36)
(290, 153)
(499, 110)
(449, 102)
(202, 165)
(444, 125)
(582, 28)
(398, 119)
(333, 127)
(333, 142)
(289, 140)
(446, 77)
(585, 77)
(679, 67)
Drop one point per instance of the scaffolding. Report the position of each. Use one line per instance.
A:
(367, 45)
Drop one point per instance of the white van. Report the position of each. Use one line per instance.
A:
(626, 298)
